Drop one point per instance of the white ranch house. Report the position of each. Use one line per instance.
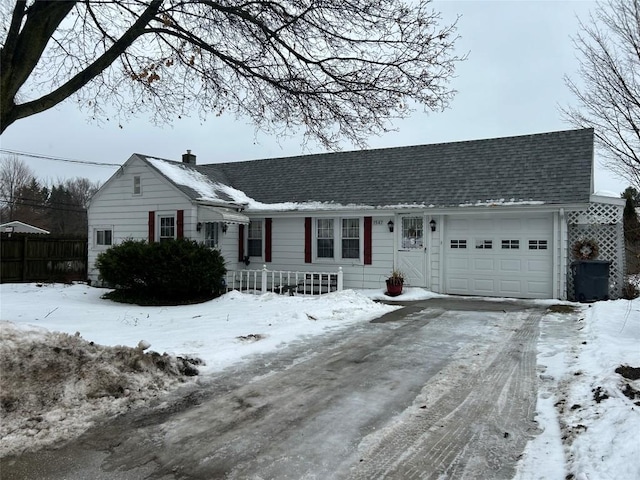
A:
(495, 217)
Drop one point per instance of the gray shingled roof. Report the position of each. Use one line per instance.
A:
(554, 168)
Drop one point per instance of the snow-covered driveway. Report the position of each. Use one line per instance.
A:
(448, 391)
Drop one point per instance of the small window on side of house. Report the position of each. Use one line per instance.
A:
(458, 244)
(137, 185)
(104, 237)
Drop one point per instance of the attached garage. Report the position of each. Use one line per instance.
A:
(499, 256)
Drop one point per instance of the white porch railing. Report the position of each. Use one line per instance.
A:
(284, 282)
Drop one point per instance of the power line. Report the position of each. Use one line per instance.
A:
(57, 159)
(34, 204)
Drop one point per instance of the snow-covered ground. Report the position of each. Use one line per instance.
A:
(589, 414)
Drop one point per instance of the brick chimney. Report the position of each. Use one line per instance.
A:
(189, 158)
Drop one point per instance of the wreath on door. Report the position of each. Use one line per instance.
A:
(585, 249)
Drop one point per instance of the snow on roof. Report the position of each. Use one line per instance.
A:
(501, 201)
(211, 190)
(187, 177)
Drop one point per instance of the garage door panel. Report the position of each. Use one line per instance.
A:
(539, 288)
(523, 269)
(510, 287)
(458, 285)
(484, 264)
(484, 286)
(541, 266)
(511, 265)
(459, 263)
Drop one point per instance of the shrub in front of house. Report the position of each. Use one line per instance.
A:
(176, 271)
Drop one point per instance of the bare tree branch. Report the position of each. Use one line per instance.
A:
(14, 176)
(609, 97)
(338, 69)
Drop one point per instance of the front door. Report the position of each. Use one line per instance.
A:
(412, 251)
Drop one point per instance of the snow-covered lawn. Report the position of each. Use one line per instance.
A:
(589, 415)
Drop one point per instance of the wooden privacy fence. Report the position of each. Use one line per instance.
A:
(42, 258)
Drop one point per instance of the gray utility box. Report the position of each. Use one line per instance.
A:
(590, 280)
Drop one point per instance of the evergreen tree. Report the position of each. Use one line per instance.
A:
(31, 204)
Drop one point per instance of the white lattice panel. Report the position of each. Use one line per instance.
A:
(602, 223)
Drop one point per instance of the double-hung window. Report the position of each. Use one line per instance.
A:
(325, 238)
(167, 228)
(211, 237)
(254, 238)
(350, 238)
(338, 238)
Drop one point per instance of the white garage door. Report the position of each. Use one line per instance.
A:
(499, 256)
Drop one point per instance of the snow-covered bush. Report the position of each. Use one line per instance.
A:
(174, 271)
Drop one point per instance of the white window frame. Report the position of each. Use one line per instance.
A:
(162, 217)
(137, 185)
(102, 229)
(261, 238)
(328, 229)
(337, 238)
(343, 238)
(411, 237)
(214, 240)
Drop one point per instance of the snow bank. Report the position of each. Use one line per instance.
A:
(588, 407)
(54, 385)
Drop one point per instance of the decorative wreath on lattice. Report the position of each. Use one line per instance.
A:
(585, 249)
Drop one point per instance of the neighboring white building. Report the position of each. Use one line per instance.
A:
(494, 217)
(20, 227)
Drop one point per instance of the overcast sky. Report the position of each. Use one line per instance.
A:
(511, 84)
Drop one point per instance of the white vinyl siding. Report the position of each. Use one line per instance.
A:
(288, 250)
(114, 205)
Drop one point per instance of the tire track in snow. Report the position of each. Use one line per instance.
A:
(478, 428)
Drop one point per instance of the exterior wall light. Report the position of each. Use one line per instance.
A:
(390, 225)
(432, 224)
(199, 226)
(224, 228)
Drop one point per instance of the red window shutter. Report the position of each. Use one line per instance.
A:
(368, 221)
(180, 224)
(152, 227)
(307, 240)
(240, 243)
(267, 239)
